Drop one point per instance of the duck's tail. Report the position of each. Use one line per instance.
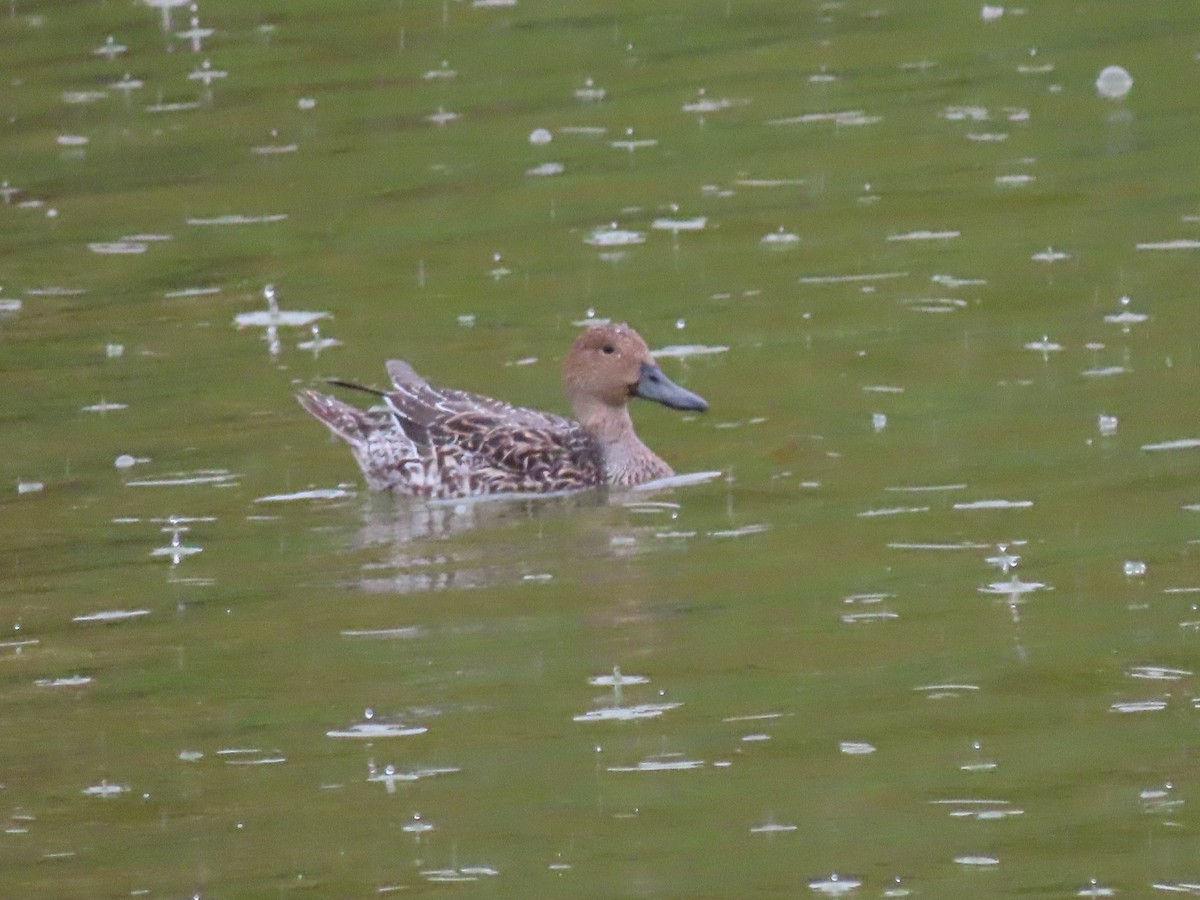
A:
(348, 422)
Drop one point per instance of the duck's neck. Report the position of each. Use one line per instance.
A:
(627, 461)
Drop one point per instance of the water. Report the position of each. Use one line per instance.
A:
(931, 630)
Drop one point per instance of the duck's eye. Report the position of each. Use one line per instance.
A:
(609, 349)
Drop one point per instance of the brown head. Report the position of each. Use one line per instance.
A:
(608, 364)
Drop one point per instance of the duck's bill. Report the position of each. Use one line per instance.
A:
(652, 384)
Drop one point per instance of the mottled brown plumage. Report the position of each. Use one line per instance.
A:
(437, 442)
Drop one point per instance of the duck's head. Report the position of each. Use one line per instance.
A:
(608, 364)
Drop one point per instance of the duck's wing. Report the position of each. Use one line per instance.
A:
(506, 447)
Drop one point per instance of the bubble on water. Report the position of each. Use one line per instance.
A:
(1113, 82)
(540, 136)
(1107, 425)
(1134, 568)
(879, 421)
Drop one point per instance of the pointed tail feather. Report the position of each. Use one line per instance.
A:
(348, 422)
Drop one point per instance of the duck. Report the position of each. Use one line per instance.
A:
(439, 443)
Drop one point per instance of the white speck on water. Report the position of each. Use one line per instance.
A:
(1133, 568)
(682, 351)
(111, 248)
(1138, 706)
(1045, 347)
(1013, 587)
(1113, 82)
(1107, 425)
(696, 223)
(545, 170)
(991, 13)
(443, 72)
(590, 92)
(924, 235)
(780, 239)
(104, 789)
(850, 279)
(625, 713)
(540, 136)
(994, 504)
(104, 406)
(977, 860)
(926, 488)
(614, 236)
(238, 219)
(311, 494)
(772, 828)
(617, 679)
(844, 117)
(406, 632)
(855, 748)
(1177, 244)
(1179, 444)
(1018, 180)
(68, 681)
(835, 885)
(373, 730)
(112, 615)
(665, 763)
(891, 511)
(29, 487)
(1158, 673)
(306, 103)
